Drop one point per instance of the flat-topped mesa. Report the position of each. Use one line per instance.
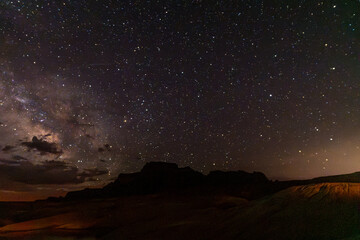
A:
(160, 170)
(169, 174)
(161, 176)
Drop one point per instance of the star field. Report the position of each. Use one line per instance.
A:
(106, 86)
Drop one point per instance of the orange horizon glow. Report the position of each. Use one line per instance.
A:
(13, 196)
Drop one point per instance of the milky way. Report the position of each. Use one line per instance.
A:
(89, 89)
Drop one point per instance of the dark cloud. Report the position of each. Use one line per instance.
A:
(106, 147)
(9, 162)
(19, 158)
(75, 121)
(42, 146)
(7, 148)
(100, 150)
(90, 173)
(92, 180)
(89, 136)
(49, 172)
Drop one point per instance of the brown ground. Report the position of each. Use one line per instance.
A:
(154, 216)
(316, 211)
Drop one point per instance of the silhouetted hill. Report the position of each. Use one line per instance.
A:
(238, 177)
(158, 177)
(155, 177)
(163, 201)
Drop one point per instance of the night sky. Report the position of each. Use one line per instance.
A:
(91, 89)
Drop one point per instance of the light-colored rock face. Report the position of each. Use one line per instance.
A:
(322, 191)
(315, 211)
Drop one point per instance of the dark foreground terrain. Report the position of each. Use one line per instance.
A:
(167, 202)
